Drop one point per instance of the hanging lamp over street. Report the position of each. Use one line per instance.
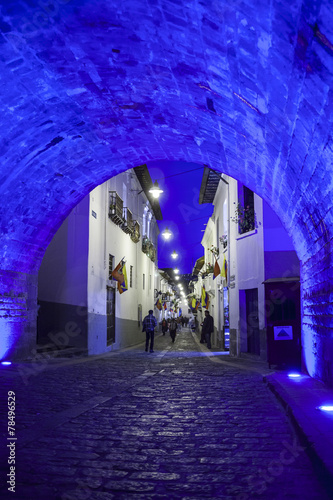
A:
(166, 234)
(155, 190)
(174, 254)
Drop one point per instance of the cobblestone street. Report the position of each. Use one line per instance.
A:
(162, 425)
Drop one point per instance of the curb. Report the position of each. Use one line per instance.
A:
(315, 448)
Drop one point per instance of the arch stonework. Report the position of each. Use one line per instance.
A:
(91, 88)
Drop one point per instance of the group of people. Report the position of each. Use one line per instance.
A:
(150, 323)
(170, 325)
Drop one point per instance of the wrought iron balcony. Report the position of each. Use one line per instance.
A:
(149, 249)
(127, 225)
(135, 236)
(115, 208)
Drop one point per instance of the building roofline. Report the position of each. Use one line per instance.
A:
(209, 184)
(146, 183)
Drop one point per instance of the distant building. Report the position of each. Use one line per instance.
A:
(79, 302)
(257, 261)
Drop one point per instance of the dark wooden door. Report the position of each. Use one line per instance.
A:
(110, 315)
(252, 321)
(283, 323)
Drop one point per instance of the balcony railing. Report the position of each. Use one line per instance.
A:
(127, 225)
(149, 249)
(115, 208)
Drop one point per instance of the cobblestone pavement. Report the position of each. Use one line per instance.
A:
(165, 425)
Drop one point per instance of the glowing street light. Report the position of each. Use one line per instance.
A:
(177, 278)
(155, 190)
(176, 271)
(166, 234)
(174, 254)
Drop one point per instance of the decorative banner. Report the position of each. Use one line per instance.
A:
(158, 304)
(164, 306)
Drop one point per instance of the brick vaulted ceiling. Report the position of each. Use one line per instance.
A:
(90, 88)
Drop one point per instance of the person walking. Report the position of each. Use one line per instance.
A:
(149, 324)
(208, 328)
(164, 326)
(173, 328)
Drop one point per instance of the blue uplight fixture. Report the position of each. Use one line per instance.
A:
(294, 375)
(6, 363)
(327, 408)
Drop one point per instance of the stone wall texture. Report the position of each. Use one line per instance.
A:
(91, 88)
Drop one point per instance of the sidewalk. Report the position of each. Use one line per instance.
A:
(300, 397)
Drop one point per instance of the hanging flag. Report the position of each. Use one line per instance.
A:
(164, 306)
(197, 305)
(224, 270)
(119, 274)
(158, 304)
(180, 311)
(207, 302)
(194, 303)
(217, 270)
(124, 284)
(203, 296)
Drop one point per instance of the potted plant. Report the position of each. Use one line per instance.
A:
(245, 217)
(224, 240)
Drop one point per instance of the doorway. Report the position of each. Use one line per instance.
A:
(252, 321)
(110, 315)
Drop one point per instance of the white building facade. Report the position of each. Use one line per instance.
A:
(116, 222)
(253, 251)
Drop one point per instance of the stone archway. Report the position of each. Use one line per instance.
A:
(92, 88)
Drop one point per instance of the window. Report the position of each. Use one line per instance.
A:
(150, 215)
(131, 277)
(150, 282)
(144, 281)
(111, 265)
(245, 214)
(248, 198)
(144, 222)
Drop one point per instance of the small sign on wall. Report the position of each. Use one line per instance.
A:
(283, 332)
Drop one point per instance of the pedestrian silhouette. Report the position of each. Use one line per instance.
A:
(207, 329)
(149, 324)
(173, 328)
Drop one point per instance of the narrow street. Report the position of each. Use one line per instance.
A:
(171, 424)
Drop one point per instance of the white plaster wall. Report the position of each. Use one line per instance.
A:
(108, 238)
(62, 276)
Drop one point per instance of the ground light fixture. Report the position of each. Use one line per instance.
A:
(174, 254)
(166, 234)
(6, 363)
(155, 190)
(294, 375)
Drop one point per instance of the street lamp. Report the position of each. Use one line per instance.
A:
(176, 271)
(155, 190)
(174, 254)
(167, 234)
